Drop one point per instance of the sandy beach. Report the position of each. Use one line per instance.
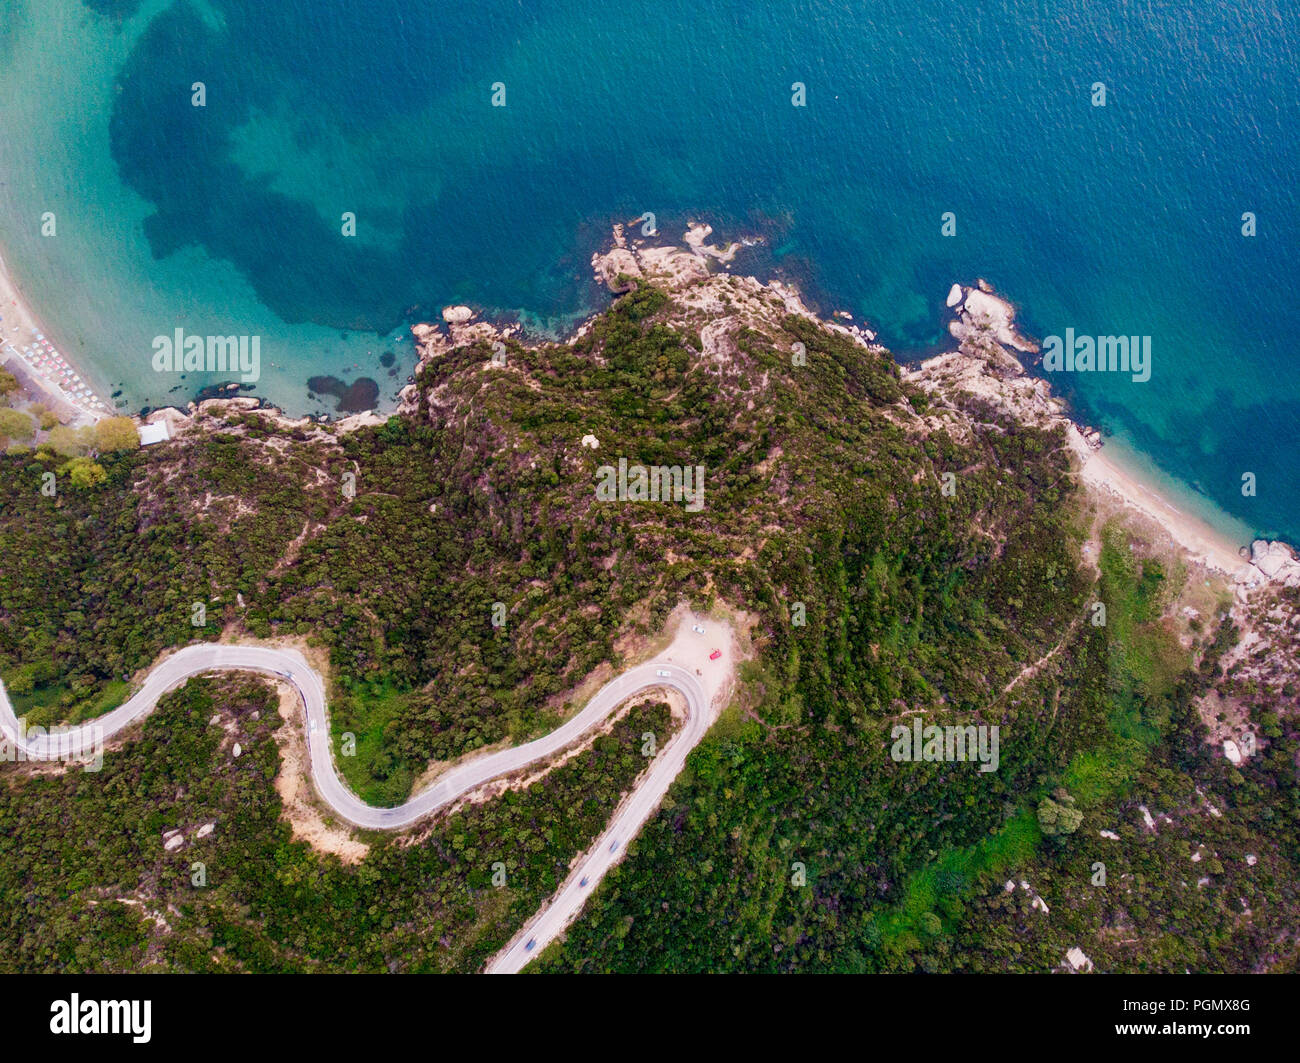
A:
(23, 340)
(1099, 471)
(985, 326)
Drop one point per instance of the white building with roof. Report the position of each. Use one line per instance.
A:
(154, 433)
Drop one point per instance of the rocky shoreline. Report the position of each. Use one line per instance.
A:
(985, 364)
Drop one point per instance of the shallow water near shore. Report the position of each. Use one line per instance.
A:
(226, 219)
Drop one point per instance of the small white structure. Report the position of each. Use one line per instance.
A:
(590, 441)
(154, 433)
(1077, 960)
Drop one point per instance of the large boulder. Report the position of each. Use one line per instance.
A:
(456, 315)
(618, 269)
(1271, 558)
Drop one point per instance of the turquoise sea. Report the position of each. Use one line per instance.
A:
(226, 219)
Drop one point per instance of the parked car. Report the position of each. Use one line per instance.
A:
(715, 655)
(662, 672)
(698, 629)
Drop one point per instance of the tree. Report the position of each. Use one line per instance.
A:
(44, 416)
(116, 433)
(1058, 817)
(22, 682)
(15, 426)
(8, 382)
(84, 473)
(70, 442)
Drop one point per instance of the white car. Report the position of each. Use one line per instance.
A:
(663, 672)
(697, 629)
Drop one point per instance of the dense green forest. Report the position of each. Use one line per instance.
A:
(106, 895)
(890, 567)
(892, 886)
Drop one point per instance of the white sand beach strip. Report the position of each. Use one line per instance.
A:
(50, 377)
(1205, 544)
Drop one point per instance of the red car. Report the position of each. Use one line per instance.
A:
(715, 655)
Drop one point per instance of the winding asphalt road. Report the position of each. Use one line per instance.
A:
(291, 666)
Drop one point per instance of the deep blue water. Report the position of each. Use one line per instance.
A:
(1117, 219)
